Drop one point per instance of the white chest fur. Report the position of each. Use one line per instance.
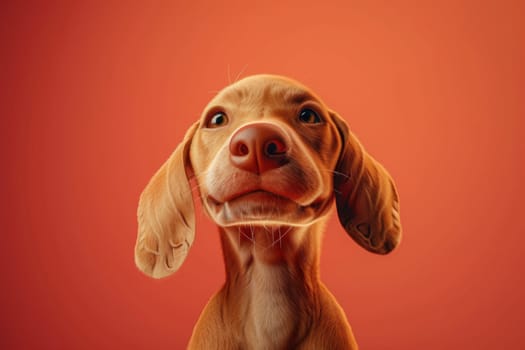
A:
(270, 316)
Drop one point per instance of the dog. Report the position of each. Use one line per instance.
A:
(269, 159)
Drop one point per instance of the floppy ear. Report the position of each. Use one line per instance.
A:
(166, 216)
(366, 196)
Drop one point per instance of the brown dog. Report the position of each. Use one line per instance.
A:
(268, 158)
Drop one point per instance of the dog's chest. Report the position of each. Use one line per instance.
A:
(271, 319)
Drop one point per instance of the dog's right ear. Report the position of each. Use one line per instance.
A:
(166, 217)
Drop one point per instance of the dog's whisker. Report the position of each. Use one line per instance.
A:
(267, 232)
(246, 236)
(201, 176)
(195, 187)
(338, 173)
(250, 237)
(240, 73)
(281, 237)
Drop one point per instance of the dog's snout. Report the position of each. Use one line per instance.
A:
(259, 147)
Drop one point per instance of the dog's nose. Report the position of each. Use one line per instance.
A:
(259, 147)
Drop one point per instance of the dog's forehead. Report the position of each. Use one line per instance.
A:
(272, 89)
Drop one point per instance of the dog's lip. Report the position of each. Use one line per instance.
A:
(247, 192)
(262, 194)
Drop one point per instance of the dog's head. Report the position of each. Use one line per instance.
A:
(266, 151)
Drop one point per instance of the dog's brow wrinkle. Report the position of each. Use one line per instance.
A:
(300, 97)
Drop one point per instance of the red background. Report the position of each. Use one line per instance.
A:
(95, 97)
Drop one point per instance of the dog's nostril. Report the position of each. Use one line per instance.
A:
(242, 149)
(271, 148)
(275, 147)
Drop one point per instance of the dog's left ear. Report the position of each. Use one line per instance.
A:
(366, 196)
(166, 216)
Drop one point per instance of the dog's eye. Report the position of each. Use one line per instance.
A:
(217, 120)
(309, 116)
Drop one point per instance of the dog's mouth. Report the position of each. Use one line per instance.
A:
(260, 207)
(259, 195)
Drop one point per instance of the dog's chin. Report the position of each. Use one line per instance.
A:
(261, 208)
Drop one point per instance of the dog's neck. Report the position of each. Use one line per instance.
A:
(272, 277)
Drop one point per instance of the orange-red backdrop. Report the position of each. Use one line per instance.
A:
(96, 96)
